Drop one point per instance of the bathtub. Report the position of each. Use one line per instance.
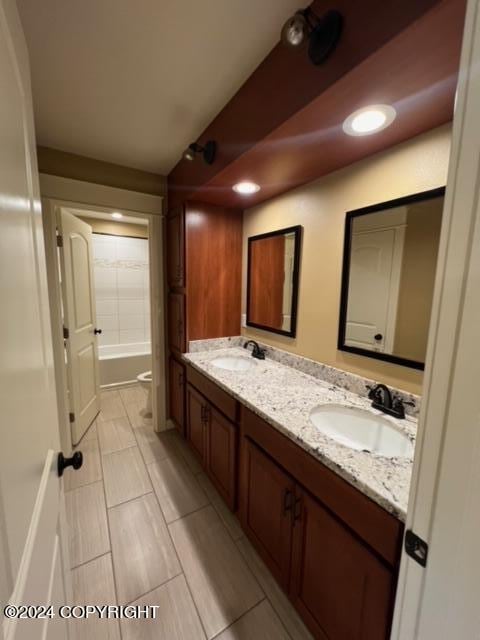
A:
(121, 363)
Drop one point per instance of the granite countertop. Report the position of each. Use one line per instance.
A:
(284, 397)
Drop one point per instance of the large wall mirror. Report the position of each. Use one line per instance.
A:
(389, 265)
(272, 280)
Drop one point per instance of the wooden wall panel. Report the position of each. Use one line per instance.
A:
(214, 260)
(285, 82)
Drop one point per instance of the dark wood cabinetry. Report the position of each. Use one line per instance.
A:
(221, 454)
(176, 371)
(176, 248)
(213, 437)
(176, 321)
(267, 507)
(196, 405)
(204, 263)
(341, 588)
(332, 549)
(203, 245)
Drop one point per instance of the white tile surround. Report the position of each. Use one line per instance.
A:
(121, 289)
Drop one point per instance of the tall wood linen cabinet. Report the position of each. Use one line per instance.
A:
(204, 264)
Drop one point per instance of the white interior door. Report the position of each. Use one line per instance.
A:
(79, 320)
(32, 558)
(369, 291)
(442, 599)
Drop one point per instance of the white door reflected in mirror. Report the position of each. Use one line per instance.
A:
(389, 271)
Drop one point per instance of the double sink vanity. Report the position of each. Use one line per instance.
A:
(318, 478)
(315, 461)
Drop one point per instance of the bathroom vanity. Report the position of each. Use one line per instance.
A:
(326, 518)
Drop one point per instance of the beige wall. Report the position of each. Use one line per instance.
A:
(70, 165)
(117, 228)
(417, 165)
(419, 263)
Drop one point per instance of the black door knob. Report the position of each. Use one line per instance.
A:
(378, 336)
(75, 461)
(97, 331)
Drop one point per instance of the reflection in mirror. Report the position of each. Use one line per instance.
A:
(272, 280)
(389, 267)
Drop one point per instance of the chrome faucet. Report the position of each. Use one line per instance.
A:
(257, 351)
(383, 400)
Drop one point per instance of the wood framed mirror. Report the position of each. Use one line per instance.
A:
(389, 266)
(272, 280)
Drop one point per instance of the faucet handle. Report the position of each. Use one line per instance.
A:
(372, 390)
(400, 400)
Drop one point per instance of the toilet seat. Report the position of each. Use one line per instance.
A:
(145, 377)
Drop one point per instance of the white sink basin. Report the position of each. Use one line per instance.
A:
(361, 430)
(233, 363)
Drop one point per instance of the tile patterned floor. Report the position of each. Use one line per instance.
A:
(148, 527)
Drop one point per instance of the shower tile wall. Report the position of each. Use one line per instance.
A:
(122, 289)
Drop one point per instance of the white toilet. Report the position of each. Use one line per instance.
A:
(145, 380)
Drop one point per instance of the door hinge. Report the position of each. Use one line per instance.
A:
(71, 417)
(59, 241)
(416, 548)
(66, 333)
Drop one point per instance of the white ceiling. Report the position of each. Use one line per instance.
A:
(135, 81)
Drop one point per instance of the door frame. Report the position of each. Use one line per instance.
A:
(439, 601)
(58, 193)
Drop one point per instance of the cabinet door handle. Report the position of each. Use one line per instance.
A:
(287, 501)
(207, 413)
(181, 379)
(297, 510)
(202, 413)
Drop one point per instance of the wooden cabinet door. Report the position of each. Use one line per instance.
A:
(176, 248)
(176, 321)
(176, 387)
(220, 460)
(196, 425)
(266, 509)
(340, 587)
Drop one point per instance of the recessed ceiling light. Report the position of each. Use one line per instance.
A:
(117, 215)
(246, 188)
(368, 120)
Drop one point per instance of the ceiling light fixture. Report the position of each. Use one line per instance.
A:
(246, 188)
(117, 215)
(322, 33)
(368, 120)
(208, 151)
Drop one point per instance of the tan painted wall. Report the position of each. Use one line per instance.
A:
(70, 165)
(417, 165)
(419, 263)
(117, 228)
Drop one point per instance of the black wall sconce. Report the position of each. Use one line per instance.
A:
(208, 151)
(322, 33)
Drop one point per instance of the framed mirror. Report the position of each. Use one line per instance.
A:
(389, 266)
(272, 280)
